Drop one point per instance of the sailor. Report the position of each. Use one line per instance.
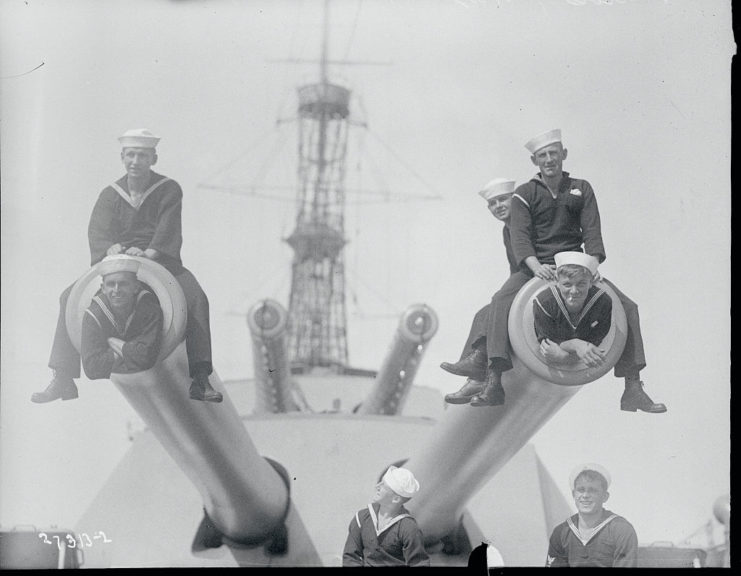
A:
(473, 360)
(593, 536)
(384, 533)
(552, 213)
(122, 327)
(573, 316)
(139, 215)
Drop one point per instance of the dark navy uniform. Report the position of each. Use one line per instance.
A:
(542, 226)
(154, 222)
(613, 544)
(141, 332)
(398, 544)
(553, 320)
(480, 327)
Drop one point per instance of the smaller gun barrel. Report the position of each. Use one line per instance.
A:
(267, 321)
(417, 325)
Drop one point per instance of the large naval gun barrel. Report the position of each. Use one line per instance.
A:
(267, 321)
(245, 496)
(417, 325)
(469, 445)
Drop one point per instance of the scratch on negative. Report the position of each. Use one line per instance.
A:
(23, 73)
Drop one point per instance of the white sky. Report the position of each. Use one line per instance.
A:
(640, 88)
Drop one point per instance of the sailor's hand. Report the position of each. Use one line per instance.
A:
(552, 352)
(590, 354)
(543, 271)
(550, 272)
(116, 344)
(113, 250)
(134, 251)
(151, 253)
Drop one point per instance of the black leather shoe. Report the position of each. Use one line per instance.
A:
(635, 398)
(493, 394)
(60, 387)
(201, 389)
(472, 366)
(470, 389)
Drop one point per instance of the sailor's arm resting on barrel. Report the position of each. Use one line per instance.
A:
(122, 327)
(574, 316)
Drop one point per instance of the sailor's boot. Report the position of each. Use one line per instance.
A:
(61, 386)
(635, 398)
(472, 366)
(467, 391)
(493, 394)
(201, 389)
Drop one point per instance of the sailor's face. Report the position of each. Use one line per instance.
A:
(574, 291)
(549, 159)
(589, 495)
(120, 288)
(383, 494)
(138, 161)
(499, 206)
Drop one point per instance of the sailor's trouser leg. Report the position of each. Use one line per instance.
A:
(497, 333)
(477, 334)
(633, 359)
(64, 357)
(198, 328)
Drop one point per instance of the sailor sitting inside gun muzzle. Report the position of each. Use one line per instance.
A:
(573, 316)
(122, 327)
(139, 215)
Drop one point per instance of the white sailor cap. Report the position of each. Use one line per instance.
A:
(401, 481)
(138, 138)
(577, 258)
(118, 263)
(592, 467)
(544, 139)
(497, 187)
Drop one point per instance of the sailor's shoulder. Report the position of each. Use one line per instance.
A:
(165, 184)
(547, 300)
(561, 528)
(579, 185)
(620, 522)
(148, 301)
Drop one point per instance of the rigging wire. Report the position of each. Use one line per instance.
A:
(272, 155)
(395, 309)
(354, 27)
(403, 163)
(269, 132)
(291, 52)
(250, 296)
